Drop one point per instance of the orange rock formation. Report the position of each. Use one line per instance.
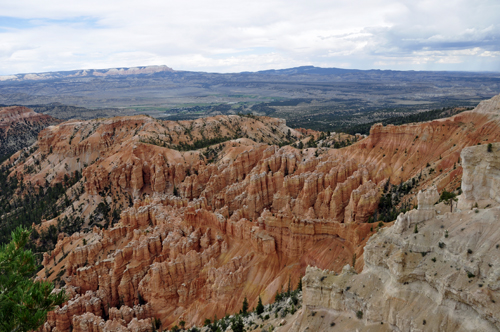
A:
(194, 237)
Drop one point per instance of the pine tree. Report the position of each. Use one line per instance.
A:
(289, 290)
(244, 309)
(260, 307)
(237, 325)
(24, 303)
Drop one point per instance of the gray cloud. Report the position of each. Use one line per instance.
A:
(228, 36)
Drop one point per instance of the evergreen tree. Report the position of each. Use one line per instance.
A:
(237, 325)
(244, 309)
(260, 307)
(24, 303)
(448, 198)
(289, 287)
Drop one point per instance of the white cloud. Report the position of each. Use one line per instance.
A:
(229, 36)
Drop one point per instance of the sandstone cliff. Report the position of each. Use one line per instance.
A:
(428, 272)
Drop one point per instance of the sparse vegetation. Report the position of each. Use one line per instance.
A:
(390, 204)
(22, 204)
(399, 120)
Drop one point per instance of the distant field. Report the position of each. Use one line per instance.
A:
(318, 98)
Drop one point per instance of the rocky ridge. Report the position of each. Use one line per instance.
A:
(144, 70)
(19, 128)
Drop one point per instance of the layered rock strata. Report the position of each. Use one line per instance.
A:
(442, 275)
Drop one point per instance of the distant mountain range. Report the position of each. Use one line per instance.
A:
(87, 73)
(296, 71)
(308, 96)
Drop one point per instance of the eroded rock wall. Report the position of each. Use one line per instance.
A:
(441, 275)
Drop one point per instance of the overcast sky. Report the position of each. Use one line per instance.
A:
(234, 36)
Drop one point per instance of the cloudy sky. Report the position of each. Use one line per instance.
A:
(234, 35)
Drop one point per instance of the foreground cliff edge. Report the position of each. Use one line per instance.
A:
(180, 221)
(431, 271)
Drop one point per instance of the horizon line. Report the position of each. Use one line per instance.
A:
(242, 72)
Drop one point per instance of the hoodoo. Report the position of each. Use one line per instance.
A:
(183, 220)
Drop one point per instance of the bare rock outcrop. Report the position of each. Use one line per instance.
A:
(481, 177)
(441, 276)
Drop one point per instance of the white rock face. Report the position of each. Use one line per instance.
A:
(481, 177)
(489, 106)
(427, 198)
(426, 211)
